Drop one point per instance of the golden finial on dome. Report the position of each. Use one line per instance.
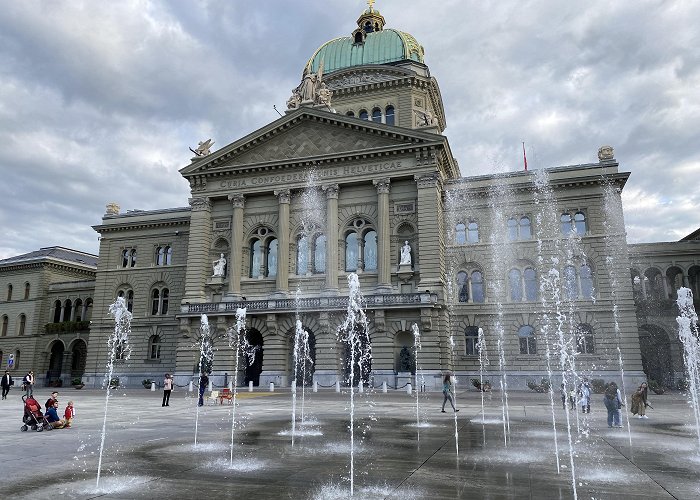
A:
(371, 5)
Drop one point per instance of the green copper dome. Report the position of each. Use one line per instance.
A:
(379, 47)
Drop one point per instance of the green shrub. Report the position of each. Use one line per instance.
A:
(114, 382)
(598, 385)
(76, 381)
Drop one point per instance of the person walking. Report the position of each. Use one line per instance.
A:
(639, 401)
(613, 403)
(584, 391)
(562, 391)
(7, 382)
(203, 383)
(28, 382)
(167, 389)
(447, 390)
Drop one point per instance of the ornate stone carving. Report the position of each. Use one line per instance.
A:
(203, 148)
(405, 254)
(112, 208)
(312, 90)
(383, 185)
(200, 204)
(237, 200)
(331, 190)
(606, 153)
(284, 195)
(427, 181)
(426, 118)
(354, 79)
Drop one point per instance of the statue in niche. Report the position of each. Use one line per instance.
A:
(405, 254)
(220, 267)
(405, 360)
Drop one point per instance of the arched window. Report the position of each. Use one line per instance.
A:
(129, 257)
(462, 287)
(155, 300)
(570, 284)
(370, 251)
(9, 292)
(351, 255)
(88, 310)
(67, 309)
(526, 336)
(473, 232)
(320, 254)
(168, 256)
(22, 324)
(566, 224)
(128, 296)
(525, 228)
(255, 258)
(478, 295)
(5, 322)
(377, 115)
(125, 258)
(512, 229)
(272, 258)
(358, 37)
(586, 275)
(78, 308)
(516, 287)
(461, 234)
(132, 256)
(160, 256)
(471, 337)
(580, 223)
(530, 276)
(390, 118)
(154, 347)
(364, 115)
(26, 291)
(57, 311)
(584, 339)
(350, 113)
(302, 255)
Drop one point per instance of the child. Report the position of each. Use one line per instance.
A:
(69, 414)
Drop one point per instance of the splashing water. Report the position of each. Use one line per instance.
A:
(302, 357)
(419, 383)
(206, 357)
(690, 338)
(118, 348)
(354, 333)
(483, 361)
(235, 343)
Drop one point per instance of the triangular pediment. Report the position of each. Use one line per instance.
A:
(307, 134)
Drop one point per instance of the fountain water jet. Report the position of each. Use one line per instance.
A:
(118, 347)
(236, 344)
(206, 356)
(690, 338)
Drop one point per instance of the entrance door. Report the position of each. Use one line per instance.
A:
(79, 352)
(656, 354)
(254, 357)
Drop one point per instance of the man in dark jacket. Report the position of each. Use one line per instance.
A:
(7, 382)
(203, 383)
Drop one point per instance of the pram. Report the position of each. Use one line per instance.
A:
(33, 417)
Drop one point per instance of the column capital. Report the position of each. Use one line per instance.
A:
(331, 190)
(283, 195)
(382, 185)
(237, 200)
(199, 204)
(427, 180)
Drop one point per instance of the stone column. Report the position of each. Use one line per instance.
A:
(331, 237)
(283, 196)
(430, 253)
(383, 235)
(236, 264)
(198, 262)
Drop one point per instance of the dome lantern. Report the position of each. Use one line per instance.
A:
(369, 21)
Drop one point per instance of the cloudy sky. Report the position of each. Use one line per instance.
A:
(99, 101)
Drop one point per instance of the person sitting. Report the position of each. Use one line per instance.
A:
(52, 417)
(69, 414)
(53, 399)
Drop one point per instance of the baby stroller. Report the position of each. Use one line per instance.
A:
(33, 417)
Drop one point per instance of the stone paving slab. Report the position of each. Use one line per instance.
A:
(150, 452)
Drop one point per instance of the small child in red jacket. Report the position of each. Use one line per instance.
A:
(69, 414)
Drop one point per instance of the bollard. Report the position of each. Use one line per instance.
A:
(153, 387)
(189, 388)
(211, 386)
(337, 386)
(360, 388)
(272, 387)
(315, 386)
(409, 388)
(250, 386)
(384, 387)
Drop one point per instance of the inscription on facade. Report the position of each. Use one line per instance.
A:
(405, 208)
(302, 177)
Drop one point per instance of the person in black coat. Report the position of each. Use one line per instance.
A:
(7, 382)
(203, 383)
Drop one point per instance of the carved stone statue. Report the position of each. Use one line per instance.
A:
(219, 267)
(405, 360)
(295, 100)
(405, 254)
(307, 89)
(203, 148)
(606, 153)
(324, 95)
(426, 118)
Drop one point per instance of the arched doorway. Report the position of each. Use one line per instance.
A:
(79, 355)
(362, 355)
(254, 358)
(656, 354)
(53, 376)
(306, 359)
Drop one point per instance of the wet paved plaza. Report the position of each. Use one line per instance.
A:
(150, 452)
